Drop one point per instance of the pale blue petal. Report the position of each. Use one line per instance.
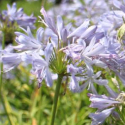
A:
(117, 3)
(99, 117)
(110, 91)
(74, 85)
(60, 25)
(39, 34)
(92, 43)
(49, 80)
(89, 32)
(48, 51)
(80, 29)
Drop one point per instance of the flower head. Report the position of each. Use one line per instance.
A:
(18, 16)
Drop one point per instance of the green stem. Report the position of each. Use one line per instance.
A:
(58, 86)
(1, 76)
(6, 107)
(123, 117)
(1, 65)
(1, 82)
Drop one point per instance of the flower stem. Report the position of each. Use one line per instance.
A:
(7, 108)
(58, 86)
(1, 75)
(5, 104)
(1, 65)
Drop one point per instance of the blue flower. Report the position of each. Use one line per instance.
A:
(40, 66)
(105, 106)
(12, 14)
(99, 117)
(28, 42)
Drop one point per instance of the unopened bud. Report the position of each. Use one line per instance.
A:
(121, 98)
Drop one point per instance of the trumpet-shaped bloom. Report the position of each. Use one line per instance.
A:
(88, 79)
(28, 42)
(11, 60)
(119, 5)
(101, 101)
(57, 31)
(105, 106)
(99, 117)
(40, 66)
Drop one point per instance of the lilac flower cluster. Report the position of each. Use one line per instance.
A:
(10, 20)
(80, 10)
(18, 16)
(76, 52)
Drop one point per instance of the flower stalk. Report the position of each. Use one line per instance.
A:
(54, 109)
(5, 105)
(7, 108)
(1, 65)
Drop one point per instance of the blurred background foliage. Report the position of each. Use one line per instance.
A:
(26, 104)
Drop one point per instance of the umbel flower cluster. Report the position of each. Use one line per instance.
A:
(11, 19)
(80, 55)
(12, 15)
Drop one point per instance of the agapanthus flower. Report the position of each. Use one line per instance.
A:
(40, 66)
(114, 57)
(18, 16)
(111, 21)
(34, 49)
(81, 10)
(74, 53)
(119, 4)
(91, 8)
(88, 53)
(57, 31)
(92, 54)
(99, 117)
(8, 49)
(79, 74)
(11, 60)
(29, 42)
(85, 44)
(86, 32)
(102, 101)
(105, 105)
(74, 85)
